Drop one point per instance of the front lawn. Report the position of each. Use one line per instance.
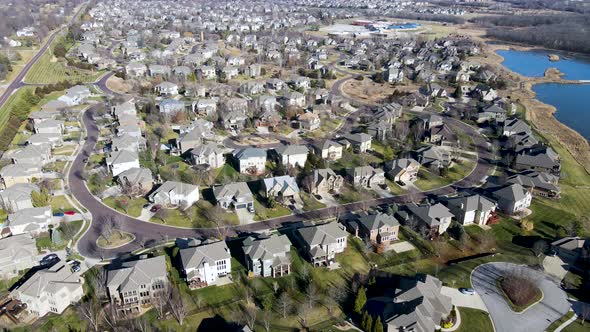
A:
(262, 212)
(132, 207)
(474, 320)
(60, 204)
(428, 180)
(310, 203)
(193, 217)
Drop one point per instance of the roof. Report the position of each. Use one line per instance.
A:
(14, 170)
(513, 192)
(29, 216)
(430, 214)
(284, 183)
(533, 179)
(376, 221)
(50, 280)
(249, 153)
(263, 248)
(195, 257)
(471, 203)
(137, 175)
(322, 235)
(122, 156)
(238, 191)
(292, 150)
(328, 144)
(179, 188)
(135, 273)
(358, 138)
(19, 192)
(571, 243)
(16, 247)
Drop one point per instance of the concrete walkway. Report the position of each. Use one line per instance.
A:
(566, 323)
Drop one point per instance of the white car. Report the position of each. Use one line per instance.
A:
(467, 291)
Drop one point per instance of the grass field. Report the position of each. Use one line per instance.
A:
(60, 203)
(48, 69)
(134, 206)
(118, 238)
(474, 320)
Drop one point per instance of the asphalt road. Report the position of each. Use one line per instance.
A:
(17, 82)
(537, 318)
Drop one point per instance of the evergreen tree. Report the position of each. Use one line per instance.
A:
(378, 326)
(365, 321)
(369, 324)
(388, 153)
(361, 299)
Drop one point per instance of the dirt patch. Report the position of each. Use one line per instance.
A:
(119, 85)
(521, 292)
(367, 90)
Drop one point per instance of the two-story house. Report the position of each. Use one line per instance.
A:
(321, 243)
(204, 264)
(268, 256)
(250, 160)
(175, 194)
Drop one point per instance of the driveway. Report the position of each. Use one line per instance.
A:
(537, 317)
(463, 300)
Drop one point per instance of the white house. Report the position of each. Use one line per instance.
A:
(250, 160)
(513, 198)
(122, 160)
(75, 95)
(203, 265)
(30, 221)
(172, 193)
(292, 155)
(472, 209)
(322, 242)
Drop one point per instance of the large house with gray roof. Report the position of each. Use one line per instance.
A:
(379, 228)
(538, 158)
(250, 160)
(17, 253)
(31, 221)
(540, 183)
(204, 264)
(280, 187)
(235, 195)
(513, 198)
(292, 155)
(268, 256)
(435, 218)
(18, 197)
(135, 284)
(321, 243)
(50, 290)
(175, 194)
(471, 209)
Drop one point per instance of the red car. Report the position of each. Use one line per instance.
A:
(156, 208)
(70, 213)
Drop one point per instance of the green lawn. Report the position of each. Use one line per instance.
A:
(194, 217)
(428, 180)
(577, 326)
(59, 203)
(310, 203)
(395, 188)
(474, 320)
(134, 207)
(117, 239)
(262, 212)
(560, 321)
(48, 69)
(64, 150)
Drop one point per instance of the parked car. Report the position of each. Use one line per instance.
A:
(49, 259)
(75, 268)
(467, 291)
(156, 208)
(70, 213)
(58, 214)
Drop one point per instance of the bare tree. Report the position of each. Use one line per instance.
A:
(141, 324)
(107, 227)
(311, 295)
(160, 300)
(92, 312)
(266, 319)
(177, 306)
(284, 304)
(249, 314)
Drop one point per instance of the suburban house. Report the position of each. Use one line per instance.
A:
(378, 228)
(365, 176)
(436, 218)
(127, 142)
(515, 126)
(329, 150)
(32, 154)
(540, 183)
(572, 249)
(321, 243)
(280, 187)
(17, 253)
(122, 160)
(204, 264)
(20, 173)
(309, 121)
(513, 198)
(175, 194)
(207, 154)
(360, 142)
(49, 126)
(268, 256)
(250, 160)
(403, 170)
(75, 95)
(538, 158)
(17, 197)
(50, 290)
(31, 221)
(410, 304)
(434, 157)
(471, 209)
(325, 181)
(292, 155)
(166, 89)
(491, 113)
(137, 181)
(235, 195)
(135, 284)
(171, 106)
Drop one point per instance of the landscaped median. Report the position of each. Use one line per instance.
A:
(114, 238)
(519, 292)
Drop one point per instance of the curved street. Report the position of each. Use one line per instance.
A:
(537, 317)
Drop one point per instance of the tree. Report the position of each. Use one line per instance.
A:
(162, 214)
(177, 305)
(92, 312)
(310, 295)
(59, 50)
(266, 319)
(284, 304)
(367, 322)
(107, 227)
(388, 153)
(123, 204)
(361, 299)
(540, 247)
(40, 198)
(378, 325)
(160, 300)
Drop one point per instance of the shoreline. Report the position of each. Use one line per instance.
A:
(539, 114)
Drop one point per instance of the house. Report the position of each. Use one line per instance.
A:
(166, 89)
(309, 121)
(19, 173)
(122, 160)
(485, 92)
(205, 106)
(471, 209)
(321, 243)
(194, 137)
(292, 155)
(366, 176)
(434, 157)
(378, 228)
(250, 160)
(275, 84)
(360, 142)
(17, 253)
(403, 170)
(435, 218)
(177, 194)
(572, 249)
(254, 70)
(207, 72)
(328, 150)
(294, 99)
(171, 106)
(393, 75)
(135, 284)
(539, 158)
(31, 221)
(50, 289)
(491, 113)
(410, 304)
(207, 154)
(513, 198)
(434, 90)
(136, 69)
(136, 181)
(539, 183)
(127, 142)
(54, 140)
(280, 187)
(233, 120)
(75, 95)
(49, 126)
(204, 264)
(159, 70)
(325, 181)
(515, 126)
(268, 256)
(235, 195)
(32, 154)
(379, 129)
(18, 197)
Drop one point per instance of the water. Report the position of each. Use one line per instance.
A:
(570, 100)
(534, 63)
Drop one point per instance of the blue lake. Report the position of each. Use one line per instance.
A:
(570, 100)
